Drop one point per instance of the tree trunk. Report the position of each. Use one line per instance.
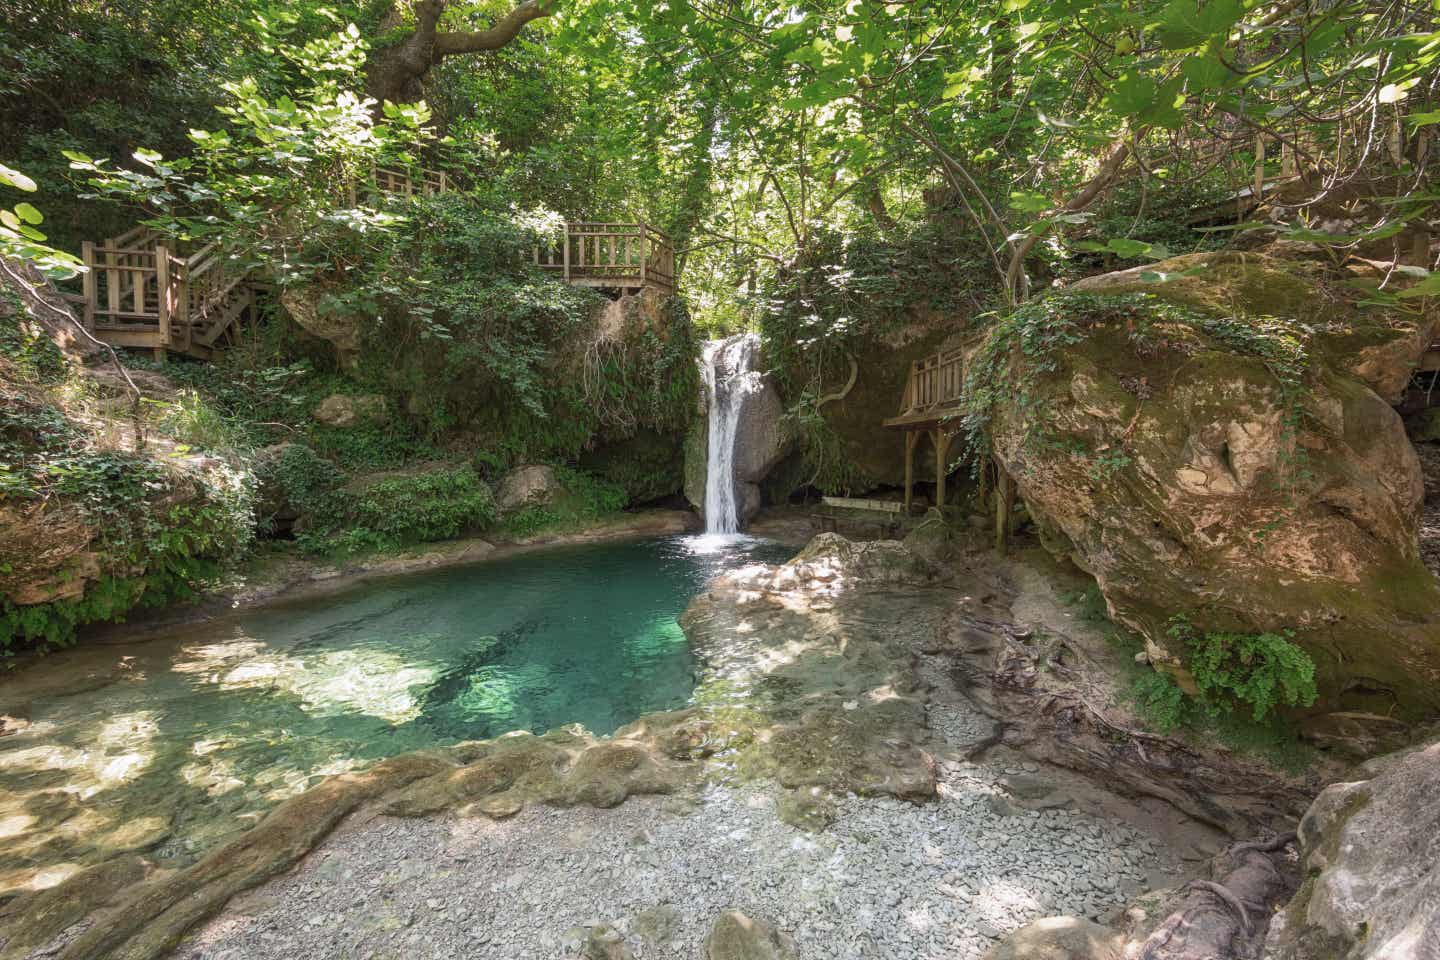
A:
(397, 71)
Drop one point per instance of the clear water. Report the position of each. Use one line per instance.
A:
(199, 732)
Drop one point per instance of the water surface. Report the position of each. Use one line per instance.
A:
(183, 740)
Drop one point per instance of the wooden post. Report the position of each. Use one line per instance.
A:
(1259, 167)
(911, 438)
(941, 438)
(181, 280)
(162, 299)
(87, 283)
(644, 250)
(565, 250)
(112, 285)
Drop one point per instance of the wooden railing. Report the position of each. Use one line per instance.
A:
(934, 381)
(401, 182)
(611, 255)
(137, 291)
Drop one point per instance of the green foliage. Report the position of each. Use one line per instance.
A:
(26, 344)
(1260, 670)
(392, 511)
(1162, 706)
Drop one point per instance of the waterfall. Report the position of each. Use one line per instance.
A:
(728, 380)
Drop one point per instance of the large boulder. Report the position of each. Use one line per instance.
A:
(312, 307)
(533, 485)
(1370, 851)
(1199, 456)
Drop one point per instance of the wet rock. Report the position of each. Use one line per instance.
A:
(808, 808)
(1059, 938)
(604, 942)
(351, 410)
(527, 486)
(1369, 850)
(657, 925)
(738, 937)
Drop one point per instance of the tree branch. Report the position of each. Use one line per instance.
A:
(507, 28)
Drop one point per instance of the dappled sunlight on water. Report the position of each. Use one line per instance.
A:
(178, 743)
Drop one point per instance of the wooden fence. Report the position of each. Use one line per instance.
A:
(935, 381)
(621, 255)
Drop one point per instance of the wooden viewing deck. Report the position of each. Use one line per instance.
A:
(617, 256)
(139, 290)
(931, 401)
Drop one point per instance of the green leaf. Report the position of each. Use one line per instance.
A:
(28, 213)
(14, 178)
(1028, 202)
(1186, 23)
(1133, 94)
(1429, 287)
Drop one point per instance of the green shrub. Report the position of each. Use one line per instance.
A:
(1160, 702)
(1260, 670)
(437, 505)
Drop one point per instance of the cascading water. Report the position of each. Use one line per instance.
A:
(729, 379)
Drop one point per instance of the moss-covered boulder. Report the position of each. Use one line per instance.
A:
(1200, 438)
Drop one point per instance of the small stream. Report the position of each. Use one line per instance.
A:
(178, 742)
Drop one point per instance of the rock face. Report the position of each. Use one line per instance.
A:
(347, 410)
(1370, 850)
(527, 486)
(1188, 477)
(738, 937)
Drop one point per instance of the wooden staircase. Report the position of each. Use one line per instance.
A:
(137, 291)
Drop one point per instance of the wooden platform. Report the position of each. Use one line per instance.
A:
(614, 256)
(930, 407)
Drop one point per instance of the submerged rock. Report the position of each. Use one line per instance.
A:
(1370, 849)
(1192, 469)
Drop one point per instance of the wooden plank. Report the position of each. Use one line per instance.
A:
(855, 503)
(87, 283)
(162, 280)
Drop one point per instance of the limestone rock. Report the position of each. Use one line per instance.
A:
(1059, 938)
(527, 486)
(737, 937)
(1370, 849)
(1184, 476)
(830, 556)
(347, 410)
(305, 304)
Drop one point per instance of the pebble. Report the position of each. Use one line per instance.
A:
(887, 879)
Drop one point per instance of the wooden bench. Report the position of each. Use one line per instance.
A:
(885, 514)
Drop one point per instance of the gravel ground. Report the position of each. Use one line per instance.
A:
(887, 879)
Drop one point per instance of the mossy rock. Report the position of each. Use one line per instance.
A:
(1195, 467)
(648, 466)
